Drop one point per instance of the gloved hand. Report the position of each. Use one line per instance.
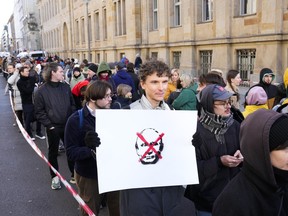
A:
(92, 140)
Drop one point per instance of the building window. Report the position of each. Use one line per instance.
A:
(205, 61)
(82, 31)
(77, 31)
(97, 26)
(154, 55)
(247, 7)
(120, 17)
(155, 14)
(177, 12)
(207, 10)
(98, 58)
(245, 62)
(104, 23)
(176, 59)
(122, 55)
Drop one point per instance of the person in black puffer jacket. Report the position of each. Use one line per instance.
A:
(53, 105)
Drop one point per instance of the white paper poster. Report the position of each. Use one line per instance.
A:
(145, 148)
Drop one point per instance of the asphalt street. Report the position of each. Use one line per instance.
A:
(25, 186)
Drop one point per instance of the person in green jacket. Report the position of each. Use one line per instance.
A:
(187, 98)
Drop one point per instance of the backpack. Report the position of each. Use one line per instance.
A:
(80, 112)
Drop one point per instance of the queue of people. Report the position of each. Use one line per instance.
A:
(242, 156)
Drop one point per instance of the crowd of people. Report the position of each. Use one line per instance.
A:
(242, 155)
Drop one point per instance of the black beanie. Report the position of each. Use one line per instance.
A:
(93, 67)
(76, 69)
(278, 133)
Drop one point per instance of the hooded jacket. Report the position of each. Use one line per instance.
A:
(254, 190)
(213, 175)
(103, 67)
(270, 89)
(122, 77)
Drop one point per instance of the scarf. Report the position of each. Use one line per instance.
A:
(106, 78)
(76, 76)
(147, 105)
(216, 124)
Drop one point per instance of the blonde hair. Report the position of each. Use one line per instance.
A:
(178, 71)
(123, 89)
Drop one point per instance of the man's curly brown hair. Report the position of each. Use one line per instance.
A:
(152, 66)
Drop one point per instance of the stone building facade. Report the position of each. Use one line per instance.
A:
(194, 35)
(26, 26)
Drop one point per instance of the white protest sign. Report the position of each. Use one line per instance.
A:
(145, 148)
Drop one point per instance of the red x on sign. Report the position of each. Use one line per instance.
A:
(151, 146)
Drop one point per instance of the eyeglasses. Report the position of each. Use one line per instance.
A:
(224, 103)
(108, 96)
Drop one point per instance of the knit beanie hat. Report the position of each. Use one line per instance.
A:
(93, 67)
(278, 135)
(27, 62)
(76, 69)
(256, 96)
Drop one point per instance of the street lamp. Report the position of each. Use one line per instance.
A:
(88, 28)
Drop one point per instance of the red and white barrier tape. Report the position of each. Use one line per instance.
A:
(38, 151)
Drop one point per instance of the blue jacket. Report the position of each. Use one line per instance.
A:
(76, 150)
(122, 77)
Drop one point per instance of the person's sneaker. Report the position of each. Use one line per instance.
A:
(31, 136)
(72, 180)
(56, 183)
(40, 136)
(61, 147)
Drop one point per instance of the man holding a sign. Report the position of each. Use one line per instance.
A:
(81, 142)
(154, 76)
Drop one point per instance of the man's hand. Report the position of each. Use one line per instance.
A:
(92, 140)
(232, 161)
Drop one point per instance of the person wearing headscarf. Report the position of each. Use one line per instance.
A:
(261, 187)
(265, 81)
(255, 99)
